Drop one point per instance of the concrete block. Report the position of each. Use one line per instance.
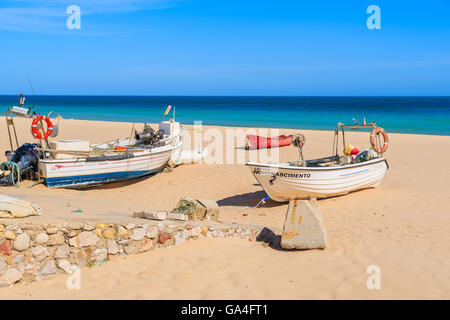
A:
(303, 227)
(160, 216)
(212, 209)
(177, 216)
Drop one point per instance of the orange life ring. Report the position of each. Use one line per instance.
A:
(373, 142)
(36, 132)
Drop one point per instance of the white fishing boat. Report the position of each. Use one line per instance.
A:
(325, 177)
(77, 164)
(67, 169)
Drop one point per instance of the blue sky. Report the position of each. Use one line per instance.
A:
(232, 47)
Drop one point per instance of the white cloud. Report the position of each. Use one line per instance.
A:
(48, 16)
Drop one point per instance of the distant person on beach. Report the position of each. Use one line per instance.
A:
(21, 100)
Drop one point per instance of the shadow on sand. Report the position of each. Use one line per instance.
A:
(273, 240)
(115, 185)
(248, 199)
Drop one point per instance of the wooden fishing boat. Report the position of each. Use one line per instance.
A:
(91, 169)
(324, 177)
(258, 142)
(145, 154)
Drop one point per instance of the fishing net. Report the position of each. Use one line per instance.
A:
(190, 207)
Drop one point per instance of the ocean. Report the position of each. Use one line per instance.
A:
(420, 115)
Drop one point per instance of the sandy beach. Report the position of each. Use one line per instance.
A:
(402, 226)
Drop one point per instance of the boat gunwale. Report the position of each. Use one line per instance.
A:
(280, 166)
(138, 154)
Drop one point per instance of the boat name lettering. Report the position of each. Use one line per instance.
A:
(282, 174)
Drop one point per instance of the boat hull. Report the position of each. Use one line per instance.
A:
(81, 173)
(257, 142)
(283, 182)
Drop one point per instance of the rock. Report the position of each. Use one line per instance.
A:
(49, 268)
(303, 227)
(230, 232)
(130, 226)
(11, 276)
(98, 232)
(84, 239)
(112, 247)
(209, 234)
(215, 233)
(65, 266)
(270, 239)
(5, 247)
(88, 227)
(152, 232)
(40, 253)
(3, 265)
(75, 226)
(62, 251)
(101, 226)
(41, 238)
(196, 231)
(163, 237)
(31, 268)
(188, 227)
(187, 233)
(179, 239)
(51, 230)
(18, 259)
(148, 245)
(12, 227)
(138, 234)
(8, 234)
(221, 234)
(2, 228)
(99, 255)
(33, 227)
(8, 260)
(121, 231)
(22, 242)
(177, 216)
(169, 228)
(56, 239)
(109, 233)
(204, 230)
(73, 233)
(129, 249)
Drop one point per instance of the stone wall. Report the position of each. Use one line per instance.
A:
(35, 251)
